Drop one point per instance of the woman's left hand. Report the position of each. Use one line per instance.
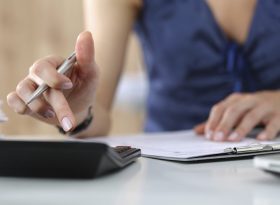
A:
(233, 118)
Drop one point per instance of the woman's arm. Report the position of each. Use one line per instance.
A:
(67, 102)
(110, 22)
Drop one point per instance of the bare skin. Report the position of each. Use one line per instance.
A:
(99, 67)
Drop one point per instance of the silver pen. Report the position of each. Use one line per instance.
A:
(62, 69)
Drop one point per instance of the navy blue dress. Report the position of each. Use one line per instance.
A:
(192, 65)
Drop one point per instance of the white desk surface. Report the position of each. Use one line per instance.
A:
(154, 182)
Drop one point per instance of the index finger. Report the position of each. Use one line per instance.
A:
(45, 71)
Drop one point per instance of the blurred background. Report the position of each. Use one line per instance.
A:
(31, 29)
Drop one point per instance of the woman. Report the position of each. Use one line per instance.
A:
(211, 61)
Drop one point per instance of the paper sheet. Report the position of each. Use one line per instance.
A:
(176, 145)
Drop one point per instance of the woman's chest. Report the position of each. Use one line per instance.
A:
(234, 17)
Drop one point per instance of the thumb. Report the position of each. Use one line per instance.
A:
(85, 51)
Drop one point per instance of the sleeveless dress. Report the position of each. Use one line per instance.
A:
(192, 65)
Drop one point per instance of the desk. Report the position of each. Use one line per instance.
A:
(155, 182)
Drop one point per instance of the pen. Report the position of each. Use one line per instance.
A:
(62, 69)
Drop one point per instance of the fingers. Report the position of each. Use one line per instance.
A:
(54, 104)
(17, 104)
(217, 111)
(248, 122)
(234, 118)
(85, 52)
(61, 107)
(217, 114)
(44, 70)
(271, 130)
(23, 91)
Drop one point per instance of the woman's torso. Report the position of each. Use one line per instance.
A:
(192, 63)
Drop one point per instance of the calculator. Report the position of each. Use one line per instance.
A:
(63, 159)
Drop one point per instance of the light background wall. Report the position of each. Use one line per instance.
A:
(31, 29)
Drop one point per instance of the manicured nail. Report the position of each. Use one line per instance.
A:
(233, 136)
(208, 134)
(67, 85)
(219, 136)
(49, 114)
(66, 124)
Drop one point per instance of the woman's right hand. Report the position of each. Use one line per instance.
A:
(68, 96)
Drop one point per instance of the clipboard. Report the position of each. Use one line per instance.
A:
(237, 152)
(186, 146)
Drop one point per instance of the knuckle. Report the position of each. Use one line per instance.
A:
(11, 98)
(217, 108)
(232, 110)
(235, 96)
(14, 102)
(20, 87)
(37, 68)
(248, 96)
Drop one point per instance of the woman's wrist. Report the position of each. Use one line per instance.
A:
(82, 125)
(81, 116)
(100, 125)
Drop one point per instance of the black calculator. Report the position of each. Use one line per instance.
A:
(62, 159)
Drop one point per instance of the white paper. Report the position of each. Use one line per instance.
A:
(175, 145)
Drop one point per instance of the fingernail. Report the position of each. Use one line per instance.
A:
(233, 136)
(219, 136)
(67, 85)
(208, 134)
(49, 114)
(262, 136)
(66, 124)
